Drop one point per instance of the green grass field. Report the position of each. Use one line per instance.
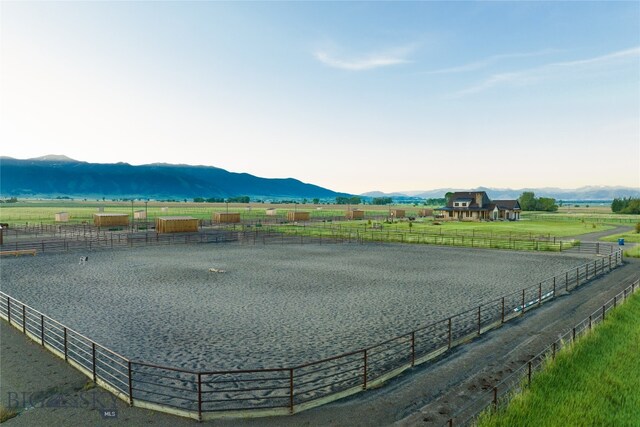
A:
(533, 225)
(596, 382)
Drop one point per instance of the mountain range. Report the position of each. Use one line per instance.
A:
(592, 193)
(57, 175)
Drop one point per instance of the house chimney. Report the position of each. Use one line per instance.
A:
(479, 199)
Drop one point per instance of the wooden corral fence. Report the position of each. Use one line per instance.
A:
(285, 390)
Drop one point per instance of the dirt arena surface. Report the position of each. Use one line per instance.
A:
(273, 305)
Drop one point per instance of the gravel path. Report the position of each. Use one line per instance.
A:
(274, 306)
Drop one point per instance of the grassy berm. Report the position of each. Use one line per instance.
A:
(595, 383)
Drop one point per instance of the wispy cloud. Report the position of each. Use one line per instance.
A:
(369, 61)
(546, 71)
(476, 65)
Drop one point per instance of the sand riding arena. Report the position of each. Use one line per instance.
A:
(208, 329)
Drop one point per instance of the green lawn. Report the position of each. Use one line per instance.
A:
(633, 252)
(630, 236)
(530, 228)
(594, 383)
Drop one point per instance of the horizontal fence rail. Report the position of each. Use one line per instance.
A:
(54, 238)
(499, 395)
(284, 390)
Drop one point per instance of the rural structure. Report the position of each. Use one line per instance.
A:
(226, 218)
(476, 206)
(110, 219)
(176, 224)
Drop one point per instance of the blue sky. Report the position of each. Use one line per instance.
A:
(351, 96)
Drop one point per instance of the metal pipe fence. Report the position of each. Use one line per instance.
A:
(498, 396)
(288, 389)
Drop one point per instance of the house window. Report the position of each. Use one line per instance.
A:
(456, 204)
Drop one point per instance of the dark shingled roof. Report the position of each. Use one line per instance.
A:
(507, 204)
(487, 204)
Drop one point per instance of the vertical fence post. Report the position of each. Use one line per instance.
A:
(42, 329)
(413, 348)
(540, 293)
(495, 398)
(577, 276)
(199, 396)
(615, 300)
(566, 281)
(364, 373)
(574, 333)
(522, 312)
(93, 365)
(554, 286)
(9, 309)
(65, 343)
(603, 311)
(529, 373)
(502, 319)
(24, 320)
(291, 390)
(449, 345)
(129, 374)
(589, 321)
(553, 356)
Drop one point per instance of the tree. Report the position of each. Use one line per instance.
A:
(316, 201)
(627, 205)
(381, 201)
(529, 202)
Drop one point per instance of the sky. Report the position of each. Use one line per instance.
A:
(352, 96)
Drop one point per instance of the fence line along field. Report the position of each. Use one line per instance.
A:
(292, 303)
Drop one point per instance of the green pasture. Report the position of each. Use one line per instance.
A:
(524, 228)
(531, 226)
(596, 382)
(630, 236)
(389, 235)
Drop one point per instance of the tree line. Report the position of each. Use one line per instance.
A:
(628, 205)
(529, 202)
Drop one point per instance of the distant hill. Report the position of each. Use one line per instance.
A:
(583, 193)
(54, 175)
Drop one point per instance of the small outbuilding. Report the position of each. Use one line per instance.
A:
(270, 212)
(140, 215)
(397, 213)
(298, 216)
(103, 219)
(62, 217)
(355, 214)
(226, 217)
(425, 212)
(176, 224)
